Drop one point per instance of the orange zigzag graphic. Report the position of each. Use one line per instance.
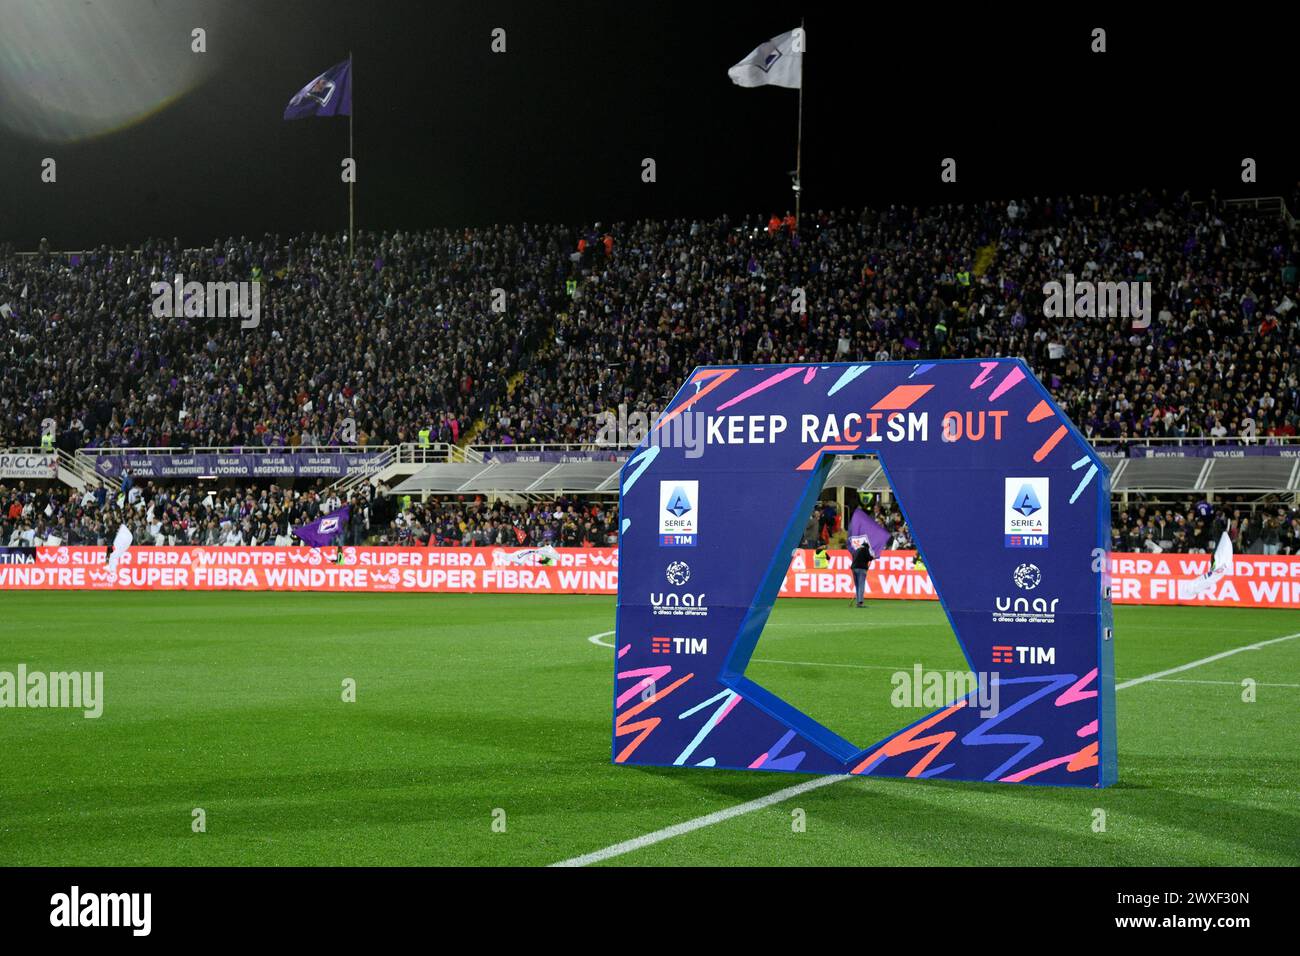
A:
(908, 741)
(622, 728)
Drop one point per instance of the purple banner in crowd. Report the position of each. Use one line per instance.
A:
(324, 529)
(264, 465)
(863, 526)
(1214, 451)
(557, 457)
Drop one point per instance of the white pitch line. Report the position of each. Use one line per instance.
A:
(618, 849)
(1229, 683)
(677, 829)
(861, 624)
(1204, 660)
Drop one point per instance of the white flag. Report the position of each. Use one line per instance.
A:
(545, 555)
(120, 544)
(778, 62)
(1220, 568)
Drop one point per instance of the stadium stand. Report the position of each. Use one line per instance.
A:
(398, 347)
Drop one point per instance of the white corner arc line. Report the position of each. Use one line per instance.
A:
(718, 816)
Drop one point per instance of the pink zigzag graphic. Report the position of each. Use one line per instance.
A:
(766, 383)
(1013, 378)
(648, 675)
(1076, 693)
(983, 376)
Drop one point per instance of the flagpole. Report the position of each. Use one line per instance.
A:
(798, 148)
(351, 184)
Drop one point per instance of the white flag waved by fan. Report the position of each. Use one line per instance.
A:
(1220, 568)
(120, 545)
(545, 555)
(778, 62)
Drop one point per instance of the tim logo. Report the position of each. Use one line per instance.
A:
(679, 513)
(1007, 654)
(679, 645)
(1025, 521)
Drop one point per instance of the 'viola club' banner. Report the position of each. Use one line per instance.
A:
(1255, 581)
(1227, 450)
(251, 465)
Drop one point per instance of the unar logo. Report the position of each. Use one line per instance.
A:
(678, 605)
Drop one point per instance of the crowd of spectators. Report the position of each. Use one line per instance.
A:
(169, 514)
(369, 348)
(1219, 357)
(1196, 526)
(528, 333)
(533, 331)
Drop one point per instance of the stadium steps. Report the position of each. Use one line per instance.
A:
(76, 471)
(480, 424)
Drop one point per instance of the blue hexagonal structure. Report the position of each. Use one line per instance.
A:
(1008, 506)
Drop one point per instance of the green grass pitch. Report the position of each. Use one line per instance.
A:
(231, 702)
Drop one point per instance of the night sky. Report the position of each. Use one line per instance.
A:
(448, 133)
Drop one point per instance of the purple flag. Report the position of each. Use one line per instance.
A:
(323, 530)
(330, 94)
(863, 527)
